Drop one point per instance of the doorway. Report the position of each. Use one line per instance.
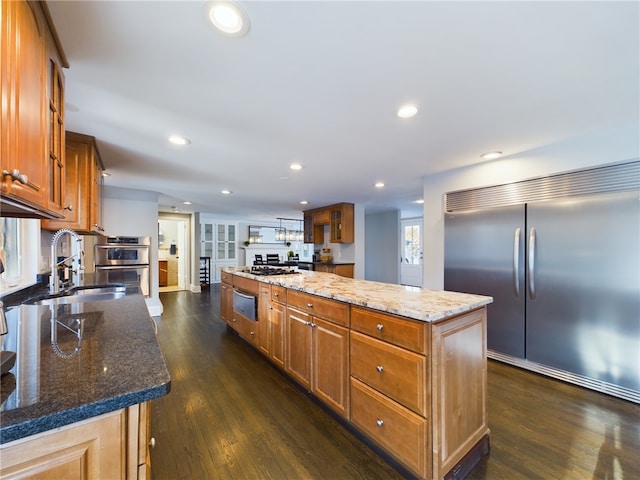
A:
(411, 254)
(173, 254)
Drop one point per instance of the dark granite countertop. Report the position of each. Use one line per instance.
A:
(119, 363)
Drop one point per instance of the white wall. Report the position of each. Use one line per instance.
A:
(135, 213)
(382, 251)
(607, 147)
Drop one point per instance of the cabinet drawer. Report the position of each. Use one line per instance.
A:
(245, 284)
(278, 294)
(247, 329)
(389, 328)
(226, 277)
(396, 372)
(401, 432)
(331, 310)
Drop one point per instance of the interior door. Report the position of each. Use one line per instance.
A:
(411, 255)
(484, 254)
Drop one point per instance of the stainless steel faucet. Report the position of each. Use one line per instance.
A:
(76, 252)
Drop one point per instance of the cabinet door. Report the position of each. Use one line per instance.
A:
(336, 225)
(75, 187)
(277, 320)
(264, 320)
(56, 147)
(225, 241)
(83, 189)
(341, 227)
(298, 346)
(91, 449)
(308, 228)
(24, 103)
(226, 302)
(96, 194)
(331, 365)
(206, 240)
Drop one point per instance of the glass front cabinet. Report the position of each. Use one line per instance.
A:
(218, 241)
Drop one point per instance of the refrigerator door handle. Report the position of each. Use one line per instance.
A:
(516, 262)
(531, 266)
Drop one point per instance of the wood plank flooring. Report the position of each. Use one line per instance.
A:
(231, 415)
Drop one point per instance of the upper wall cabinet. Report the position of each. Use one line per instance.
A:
(339, 217)
(83, 186)
(31, 154)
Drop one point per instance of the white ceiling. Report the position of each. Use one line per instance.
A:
(319, 83)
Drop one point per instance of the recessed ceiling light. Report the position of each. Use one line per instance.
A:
(420, 201)
(295, 166)
(407, 111)
(106, 174)
(179, 140)
(491, 155)
(186, 202)
(229, 18)
(225, 192)
(379, 184)
(304, 202)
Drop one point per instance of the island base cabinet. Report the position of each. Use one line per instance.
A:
(91, 449)
(317, 357)
(397, 429)
(111, 446)
(459, 389)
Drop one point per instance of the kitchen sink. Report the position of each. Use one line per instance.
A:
(94, 293)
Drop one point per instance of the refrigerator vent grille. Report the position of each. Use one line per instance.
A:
(613, 178)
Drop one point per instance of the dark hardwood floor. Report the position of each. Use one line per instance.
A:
(231, 415)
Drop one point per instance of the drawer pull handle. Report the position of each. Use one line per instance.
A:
(309, 305)
(379, 423)
(380, 327)
(276, 294)
(252, 333)
(380, 368)
(152, 442)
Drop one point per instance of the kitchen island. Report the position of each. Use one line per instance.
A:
(405, 367)
(75, 405)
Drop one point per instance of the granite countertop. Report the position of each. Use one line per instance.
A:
(51, 385)
(412, 302)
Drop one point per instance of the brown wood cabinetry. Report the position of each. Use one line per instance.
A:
(417, 389)
(163, 273)
(417, 384)
(113, 445)
(317, 356)
(341, 223)
(84, 185)
(271, 321)
(397, 429)
(30, 58)
(317, 347)
(339, 218)
(246, 327)
(308, 227)
(226, 299)
(344, 270)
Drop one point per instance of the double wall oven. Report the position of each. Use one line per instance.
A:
(124, 260)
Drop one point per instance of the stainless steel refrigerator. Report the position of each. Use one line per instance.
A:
(565, 277)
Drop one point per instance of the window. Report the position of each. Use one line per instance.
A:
(19, 243)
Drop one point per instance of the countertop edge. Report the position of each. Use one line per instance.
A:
(67, 417)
